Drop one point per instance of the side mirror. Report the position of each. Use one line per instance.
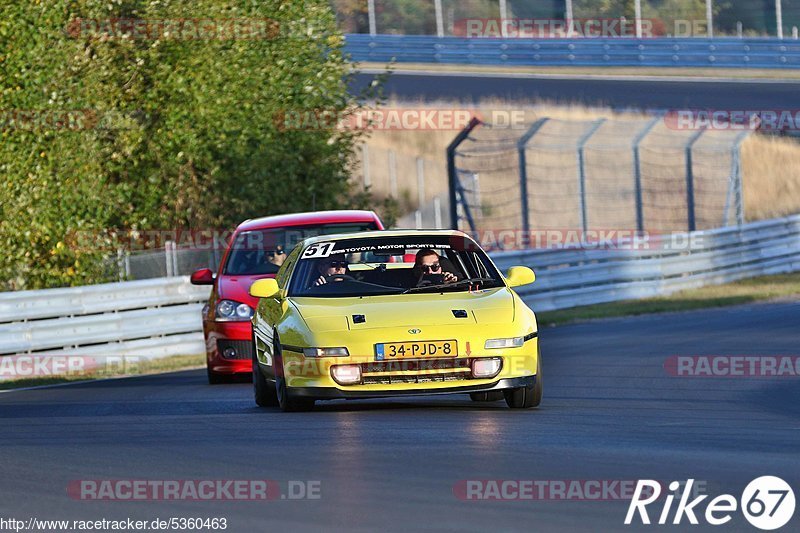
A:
(264, 288)
(519, 275)
(204, 276)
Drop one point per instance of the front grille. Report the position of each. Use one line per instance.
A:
(389, 372)
(418, 378)
(241, 349)
(414, 365)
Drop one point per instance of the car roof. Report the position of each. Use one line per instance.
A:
(304, 219)
(385, 233)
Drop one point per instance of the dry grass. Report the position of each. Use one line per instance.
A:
(633, 72)
(770, 164)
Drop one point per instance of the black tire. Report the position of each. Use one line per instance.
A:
(286, 402)
(489, 396)
(263, 392)
(527, 397)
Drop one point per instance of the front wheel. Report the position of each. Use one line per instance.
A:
(264, 393)
(527, 397)
(289, 404)
(286, 401)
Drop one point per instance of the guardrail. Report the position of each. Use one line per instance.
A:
(154, 317)
(655, 52)
(160, 317)
(570, 278)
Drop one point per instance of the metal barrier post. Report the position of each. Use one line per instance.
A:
(690, 178)
(582, 169)
(452, 176)
(637, 170)
(523, 174)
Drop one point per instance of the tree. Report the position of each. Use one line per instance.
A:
(173, 131)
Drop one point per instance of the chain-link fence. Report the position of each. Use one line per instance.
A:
(171, 260)
(680, 18)
(638, 174)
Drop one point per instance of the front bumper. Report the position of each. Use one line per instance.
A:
(334, 393)
(221, 335)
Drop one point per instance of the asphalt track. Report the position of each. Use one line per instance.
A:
(610, 412)
(645, 94)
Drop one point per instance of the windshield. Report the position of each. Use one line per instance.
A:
(393, 265)
(264, 251)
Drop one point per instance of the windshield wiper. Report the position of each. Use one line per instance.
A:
(469, 281)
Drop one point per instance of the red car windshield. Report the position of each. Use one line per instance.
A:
(263, 251)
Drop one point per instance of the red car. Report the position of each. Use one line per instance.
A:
(256, 250)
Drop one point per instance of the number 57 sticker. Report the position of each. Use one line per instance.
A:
(320, 249)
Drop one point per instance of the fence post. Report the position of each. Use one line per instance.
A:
(739, 190)
(365, 164)
(371, 15)
(523, 175)
(637, 171)
(121, 264)
(452, 176)
(392, 174)
(690, 178)
(420, 182)
(437, 6)
(582, 170)
(168, 257)
(503, 17)
(437, 212)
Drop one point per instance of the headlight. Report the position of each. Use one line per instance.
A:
(230, 311)
(493, 344)
(325, 352)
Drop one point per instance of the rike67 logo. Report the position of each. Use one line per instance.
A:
(767, 503)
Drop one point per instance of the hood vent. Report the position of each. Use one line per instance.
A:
(359, 319)
(459, 313)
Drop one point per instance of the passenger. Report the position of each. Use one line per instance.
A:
(276, 256)
(428, 262)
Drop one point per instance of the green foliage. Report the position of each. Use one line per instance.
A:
(179, 132)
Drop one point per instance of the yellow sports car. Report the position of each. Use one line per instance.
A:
(393, 313)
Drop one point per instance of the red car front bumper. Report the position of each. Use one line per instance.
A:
(229, 347)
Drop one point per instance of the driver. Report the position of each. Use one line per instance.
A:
(335, 265)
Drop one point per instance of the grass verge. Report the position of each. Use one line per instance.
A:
(140, 368)
(740, 292)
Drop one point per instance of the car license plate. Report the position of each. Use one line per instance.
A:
(409, 350)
